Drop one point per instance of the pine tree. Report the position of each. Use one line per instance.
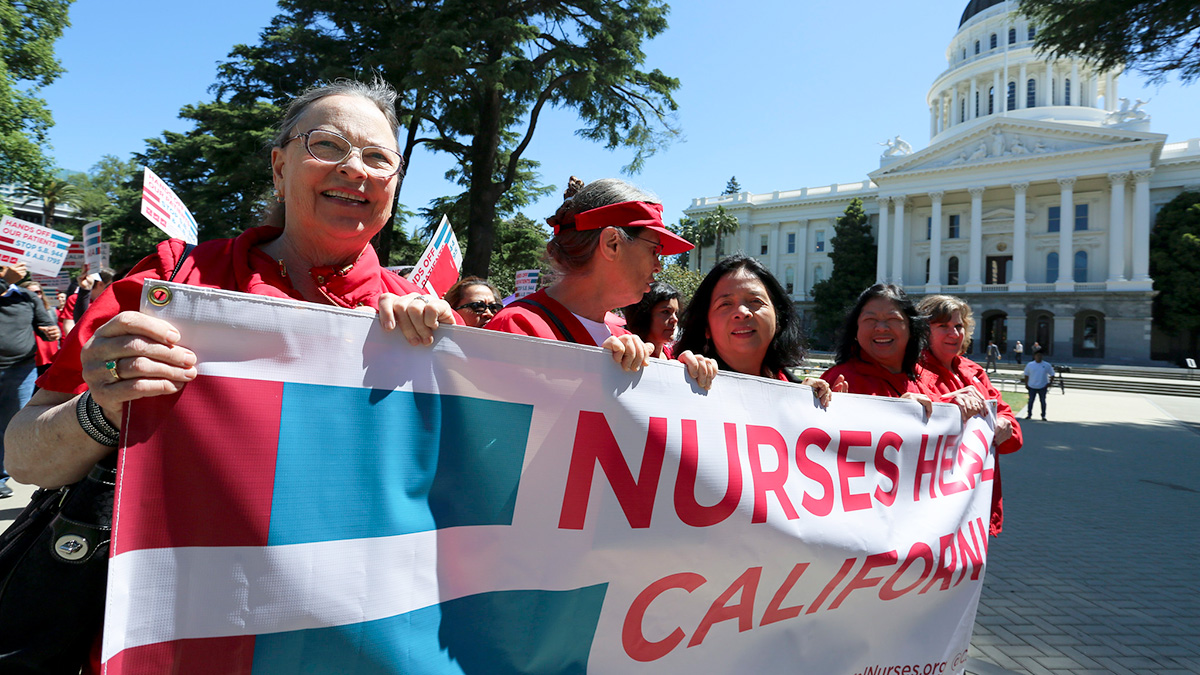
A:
(853, 257)
(732, 187)
(1175, 268)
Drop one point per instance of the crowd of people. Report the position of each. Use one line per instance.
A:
(335, 165)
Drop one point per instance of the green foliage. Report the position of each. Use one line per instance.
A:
(718, 224)
(520, 244)
(51, 192)
(1158, 38)
(1175, 267)
(28, 31)
(732, 187)
(853, 257)
(690, 230)
(679, 276)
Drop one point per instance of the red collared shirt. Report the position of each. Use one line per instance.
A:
(867, 377)
(526, 319)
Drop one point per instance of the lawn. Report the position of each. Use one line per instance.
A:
(1017, 399)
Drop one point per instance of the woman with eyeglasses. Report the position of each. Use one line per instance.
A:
(476, 301)
(608, 236)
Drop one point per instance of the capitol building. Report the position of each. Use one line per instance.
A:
(1033, 200)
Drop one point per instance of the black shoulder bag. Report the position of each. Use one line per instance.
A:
(54, 571)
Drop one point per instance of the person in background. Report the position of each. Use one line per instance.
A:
(22, 315)
(608, 236)
(1018, 350)
(654, 318)
(1039, 375)
(947, 372)
(66, 318)
(46, 348)
(89, 289)
(742, 318)
(993, 355)
(476, 301)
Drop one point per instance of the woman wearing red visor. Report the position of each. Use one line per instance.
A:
(608, 236)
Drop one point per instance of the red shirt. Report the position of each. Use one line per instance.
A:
(232, 264)
(524, 318)
(964, 372)
(867, 377)
(46, 349)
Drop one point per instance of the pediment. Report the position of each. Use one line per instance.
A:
(1010, 140)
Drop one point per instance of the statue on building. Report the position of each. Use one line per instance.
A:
(1018, 148)
(980, 153)
(1127, 113)
(997, 142)
(896, 147)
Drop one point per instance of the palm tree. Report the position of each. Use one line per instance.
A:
(720, 223)
(51, 192)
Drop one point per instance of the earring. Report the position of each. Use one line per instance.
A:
(279, 196)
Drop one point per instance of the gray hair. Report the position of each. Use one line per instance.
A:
(571, 250)
(377, 91)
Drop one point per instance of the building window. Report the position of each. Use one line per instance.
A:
(820, 241)
(962, 110)
(791, 245)
(818, 274)
(1081, 217)
(991, 100)
(789, 282)
(1012, 36)
(954, 220)
(977, 46)
(1053, 219)
(927, 270)
(762, 244)
(1012, 96)
(1051, 268)
(1031, 93)
(1080, 267)
(1067, 91)
(1053, 92)
(964, 55)
(1032, 32)
(929, 228)
(992, 42)
(952, 271)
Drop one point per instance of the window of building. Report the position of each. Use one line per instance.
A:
(977, 104)
(1067, 91)
(991, 100)
(1081, 217)
(1053, 218)
(952, 271)
(820, 241)
(927, 270)
(791, 245)
(1012, 36)
(977, 46)
(1012, 96)
(1031, 93)
(1080, 267)
(1051, 267)
(992, 42)
(954, 221)
(789, 280)
(1053, 92)
(818, 273)
(929, 228)
(962, 110)
(1032, 32)
(964, 55)
(762, 244)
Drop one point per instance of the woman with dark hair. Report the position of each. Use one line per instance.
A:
(951, 375)
(654, 318)
(741, 317)
(476, 300)
(608, 236)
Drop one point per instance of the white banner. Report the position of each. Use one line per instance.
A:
(528, 505)
(166, 210)
(91, 246)
(42, 249)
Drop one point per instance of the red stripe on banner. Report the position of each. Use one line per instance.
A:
(11, 249)
(189, 497)
(444, 273)
(155, 207)
(147, 194)
(198, 656)
(8, 240)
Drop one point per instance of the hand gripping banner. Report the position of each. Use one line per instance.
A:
(324, 498)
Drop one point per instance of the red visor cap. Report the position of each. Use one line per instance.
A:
(633, 214)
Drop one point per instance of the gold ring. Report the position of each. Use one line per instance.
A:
(112, 370)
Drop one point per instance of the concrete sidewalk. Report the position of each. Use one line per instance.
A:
(1097, 566)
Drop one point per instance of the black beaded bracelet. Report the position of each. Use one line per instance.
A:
(106, 435)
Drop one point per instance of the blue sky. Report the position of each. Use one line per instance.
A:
(782, 94)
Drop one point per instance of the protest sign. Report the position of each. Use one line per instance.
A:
(91, 246)
(42, 249)
(504, 504)
(74, 259)
(166, 210)
(527, 283)
(53, 285)
(437, 270)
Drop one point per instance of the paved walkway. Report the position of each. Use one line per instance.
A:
(1097, 567)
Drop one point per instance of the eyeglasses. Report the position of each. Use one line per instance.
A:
(326, 146)
(658, 247)
(479, 307)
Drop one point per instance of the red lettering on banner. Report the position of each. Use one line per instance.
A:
(987, 473)
(775, 610)
(690, 511)
(948, 456)
(746, 586)
(595, 444)
(837, 579)
(768, 481)
(815, 471)
(971, 463)
(944, 572)
(926, 467)
(636, 645)
(887, 468)
(861, 580)
(972, 553)
(919, 551)
(847, 469)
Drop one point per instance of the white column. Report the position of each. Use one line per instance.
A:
(1066, 228)
(1022, 87)
(1115, 94)
(748, 246)
(996, 97)
(801, 287)
(933, 118)
(773, 250)
(881, 240)
(1108, 92)
(1141, 225)
(1116, 227)
(899, 242)
(975, 245)
(1048, 97)
(1077, 88)
(935, 244)
(1018, 274)
(971, 101)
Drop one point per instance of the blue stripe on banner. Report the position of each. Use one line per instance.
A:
(60, 237)
(443, 235)
(356, 463)
(499, 633)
